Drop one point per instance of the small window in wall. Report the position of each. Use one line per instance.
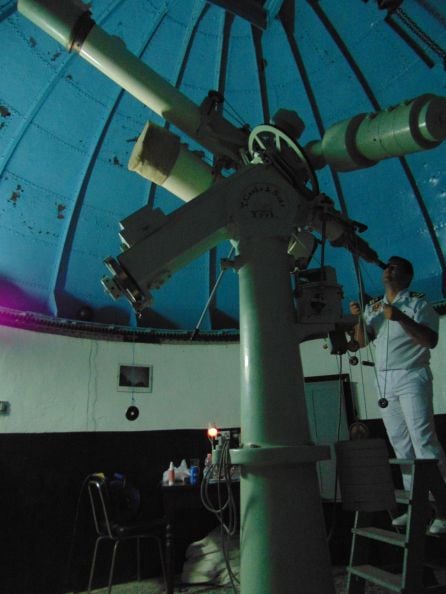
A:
(135, 378)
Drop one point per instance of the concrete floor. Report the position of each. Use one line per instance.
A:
(155, 586)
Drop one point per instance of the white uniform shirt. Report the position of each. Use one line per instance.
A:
(395, 349)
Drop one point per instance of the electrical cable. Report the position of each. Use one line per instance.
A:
(232, 524)
(222, 469)
(227, 528)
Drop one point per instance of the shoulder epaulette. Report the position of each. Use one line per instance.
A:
(375, 300)
(417, 294)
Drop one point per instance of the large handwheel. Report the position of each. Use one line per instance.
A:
(267, 138)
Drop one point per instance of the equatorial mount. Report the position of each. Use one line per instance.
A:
(270, 145)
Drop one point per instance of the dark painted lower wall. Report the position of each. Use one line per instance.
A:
(40, 492)
(41, 481)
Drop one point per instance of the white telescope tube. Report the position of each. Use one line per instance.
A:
(110, 56)
(365, 139)
(159, 156)
(70, 23)
(57, 18)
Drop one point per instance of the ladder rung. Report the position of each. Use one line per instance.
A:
(410, 462)
(402, 496)
(401, 461)
(393, 538)
(378, 576)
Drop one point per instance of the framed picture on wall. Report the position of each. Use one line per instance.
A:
(135, 378)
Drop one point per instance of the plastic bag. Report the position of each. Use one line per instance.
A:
(182, 473)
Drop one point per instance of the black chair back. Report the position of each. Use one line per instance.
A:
(115, 505)
(100, 506)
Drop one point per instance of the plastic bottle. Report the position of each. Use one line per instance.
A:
(171, 475)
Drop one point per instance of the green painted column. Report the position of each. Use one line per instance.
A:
(283, 538)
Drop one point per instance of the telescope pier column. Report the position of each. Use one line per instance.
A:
(283, 539)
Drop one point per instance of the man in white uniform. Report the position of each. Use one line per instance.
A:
(404, 327)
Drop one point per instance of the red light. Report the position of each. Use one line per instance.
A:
(212, 432)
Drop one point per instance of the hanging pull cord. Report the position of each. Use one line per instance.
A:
(211, 296)
(132, 413)
(232, 112)
(362, 386)
(382, 401)
(364, 329)
(422, 35)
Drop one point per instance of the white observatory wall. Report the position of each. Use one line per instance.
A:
(62, 384)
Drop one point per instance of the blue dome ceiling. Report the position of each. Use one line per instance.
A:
(67, 132)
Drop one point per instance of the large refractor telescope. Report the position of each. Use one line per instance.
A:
(355, 143)
(270, 208)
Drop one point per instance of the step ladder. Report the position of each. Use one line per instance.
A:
(426, 479)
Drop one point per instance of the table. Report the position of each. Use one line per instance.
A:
(183, 497)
